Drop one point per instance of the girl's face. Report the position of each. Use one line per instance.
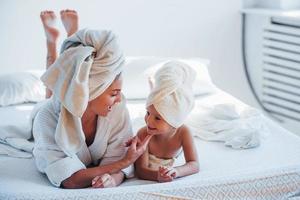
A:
(102, 105)
(156, 125)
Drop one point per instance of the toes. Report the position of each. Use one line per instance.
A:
(47, 13)
(70, 10)
(43, 13)
(50, 12)
(62, 12)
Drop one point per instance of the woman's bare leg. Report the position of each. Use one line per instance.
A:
(69, 19)
(48, 19)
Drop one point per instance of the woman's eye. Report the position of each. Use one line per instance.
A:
(157, 118)
(148, 113)
(114, 94)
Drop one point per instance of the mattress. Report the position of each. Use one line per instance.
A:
(270, 171)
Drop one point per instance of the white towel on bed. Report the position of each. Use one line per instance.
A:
(225, 123)
(88, 64)
(172, 95)
(15, 140)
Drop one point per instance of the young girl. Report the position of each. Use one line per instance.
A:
(168, 105)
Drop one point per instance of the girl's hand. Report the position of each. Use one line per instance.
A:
(104, 181)
(129, 142)
(166, 174)
(136, 148)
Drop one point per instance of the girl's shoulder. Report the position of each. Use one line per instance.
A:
(184, 132)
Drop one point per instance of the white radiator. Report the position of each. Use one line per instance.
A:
(281, 68)
(271, 44)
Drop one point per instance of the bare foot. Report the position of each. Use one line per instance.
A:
(48, 19)
(69, 19)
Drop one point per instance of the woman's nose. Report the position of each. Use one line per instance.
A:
(118, 99)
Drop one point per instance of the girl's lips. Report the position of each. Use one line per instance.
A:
(151, 128)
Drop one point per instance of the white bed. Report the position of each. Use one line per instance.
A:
(270, 171)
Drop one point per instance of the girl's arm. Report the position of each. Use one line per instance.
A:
(141, 164)
(142, 170)
(190, 154)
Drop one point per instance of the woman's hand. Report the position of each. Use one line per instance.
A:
(166, 174)
(136, 148)
(104, 181)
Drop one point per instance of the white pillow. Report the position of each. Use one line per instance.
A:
(21, 87)
(138, 69)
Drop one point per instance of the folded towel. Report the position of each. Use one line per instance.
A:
(89, 62)
(172, 94)
(225, 123)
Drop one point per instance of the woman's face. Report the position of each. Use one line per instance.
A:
(103, 104)
(156, 125)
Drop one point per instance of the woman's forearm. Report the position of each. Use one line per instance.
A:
(83, 178)
(189, 168)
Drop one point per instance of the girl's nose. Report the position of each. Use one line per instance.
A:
(149, 121)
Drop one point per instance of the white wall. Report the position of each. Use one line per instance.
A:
(186, 28)
(272, 4)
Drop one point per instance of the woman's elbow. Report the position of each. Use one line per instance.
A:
(69, 184)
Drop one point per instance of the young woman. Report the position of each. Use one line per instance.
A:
(80, 130)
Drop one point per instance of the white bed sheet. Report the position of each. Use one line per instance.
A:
(16, 115)
(271, 171)
(15, 129)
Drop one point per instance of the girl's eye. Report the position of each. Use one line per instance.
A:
(157, 118)
(148, 113)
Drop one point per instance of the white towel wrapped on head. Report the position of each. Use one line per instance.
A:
(172, 94)
(89, 62)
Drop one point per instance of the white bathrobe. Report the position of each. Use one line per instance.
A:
(108, 145)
